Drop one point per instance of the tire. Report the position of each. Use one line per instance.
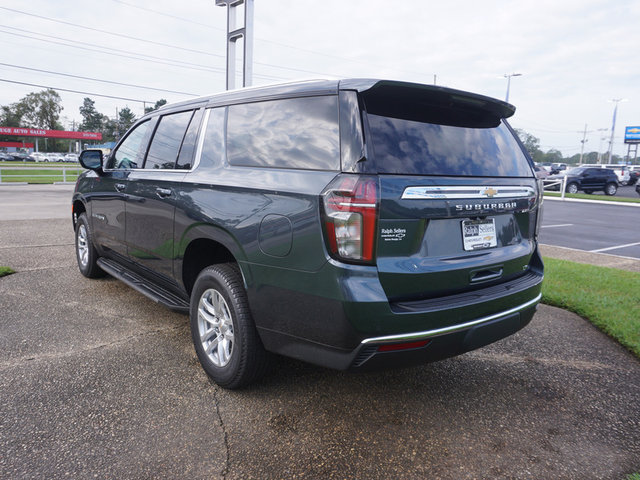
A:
(224, 334)
(86, 253)
(610, 189)
(572, 188)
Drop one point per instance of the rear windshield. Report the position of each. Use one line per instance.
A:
(411, 147)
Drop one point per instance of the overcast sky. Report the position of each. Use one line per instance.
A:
(574, 56)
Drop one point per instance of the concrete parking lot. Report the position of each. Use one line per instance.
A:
(98, 381)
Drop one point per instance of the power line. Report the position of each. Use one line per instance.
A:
(207, 67)
(98, 80)
(170, 15)
(107, 32)
(313, 52)
(134, 56)
(76, 91)
(130, 37)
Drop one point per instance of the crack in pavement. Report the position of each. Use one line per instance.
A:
(18, 362)
(225, 470)
(6, 247)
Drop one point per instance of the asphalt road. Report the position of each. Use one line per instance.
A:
(628, 191)
(598, 228)
(98, 381)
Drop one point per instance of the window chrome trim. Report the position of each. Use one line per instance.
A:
(407, 337)
(463, 192)
(200, 145)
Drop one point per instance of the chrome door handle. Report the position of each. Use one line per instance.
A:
(120, 187)
(163, 192)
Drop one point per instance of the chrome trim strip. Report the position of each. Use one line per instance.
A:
(474, 192)
(203, 129)
(405, 337)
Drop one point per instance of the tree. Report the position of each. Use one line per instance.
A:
(93, 121)
(10, 116)
(531, 143)
(41, 110)
(553, 156)
(158, 104)
(126, 118)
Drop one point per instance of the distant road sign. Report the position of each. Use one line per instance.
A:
(632, 135)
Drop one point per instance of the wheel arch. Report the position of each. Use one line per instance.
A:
(78, 207)
(203, 251)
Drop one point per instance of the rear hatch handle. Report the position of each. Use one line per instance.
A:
(485, 274)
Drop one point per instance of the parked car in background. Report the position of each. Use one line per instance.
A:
(55, 157)
(22, 157)
(621, 171)
(71, 157)
(540, 172)
(634, 175)
(5, 157)
(557, 168)
(39, 157)
(588, 180)
(548, 166)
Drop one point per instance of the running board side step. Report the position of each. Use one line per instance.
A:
(151, 290)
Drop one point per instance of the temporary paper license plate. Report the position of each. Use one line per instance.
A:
(477, 234)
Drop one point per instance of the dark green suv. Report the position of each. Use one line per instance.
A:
(353, 224)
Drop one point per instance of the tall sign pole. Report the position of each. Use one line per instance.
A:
(235, 33)
(613, 125)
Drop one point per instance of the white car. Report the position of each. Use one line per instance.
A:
(39, 157)
(71, 157)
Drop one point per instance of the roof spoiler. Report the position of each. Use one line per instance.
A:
(430, 103)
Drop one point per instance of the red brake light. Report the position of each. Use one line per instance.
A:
(351, 211)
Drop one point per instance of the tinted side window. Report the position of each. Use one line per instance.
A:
(166, 141)
(185, 159)
(213, 144)
(291, 133)
(130, 152)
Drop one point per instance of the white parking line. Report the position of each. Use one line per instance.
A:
(614, 248)
(554, 226)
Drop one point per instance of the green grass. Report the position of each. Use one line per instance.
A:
(45, 174)
(5, 271)
(607, 297)
(586, 196)
(633, 476)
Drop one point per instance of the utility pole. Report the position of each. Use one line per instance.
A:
(583, 141)
(508, 77)
(234, 34)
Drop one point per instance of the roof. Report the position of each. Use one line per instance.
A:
(368, 87)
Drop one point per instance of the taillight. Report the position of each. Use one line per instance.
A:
(350, 215)
(540, 200)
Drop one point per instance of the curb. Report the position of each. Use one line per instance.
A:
(591, 258)
(601, 202)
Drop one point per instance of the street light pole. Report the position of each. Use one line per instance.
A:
(508, 77)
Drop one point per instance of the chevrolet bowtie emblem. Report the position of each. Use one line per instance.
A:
(489, 192)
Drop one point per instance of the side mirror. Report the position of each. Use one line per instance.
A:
(91, 159)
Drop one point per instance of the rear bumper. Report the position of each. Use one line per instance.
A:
(444, 342)
(345, 329)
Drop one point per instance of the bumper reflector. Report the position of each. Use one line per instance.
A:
(394, 347)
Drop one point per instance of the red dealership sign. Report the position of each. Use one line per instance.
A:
(36, 132)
